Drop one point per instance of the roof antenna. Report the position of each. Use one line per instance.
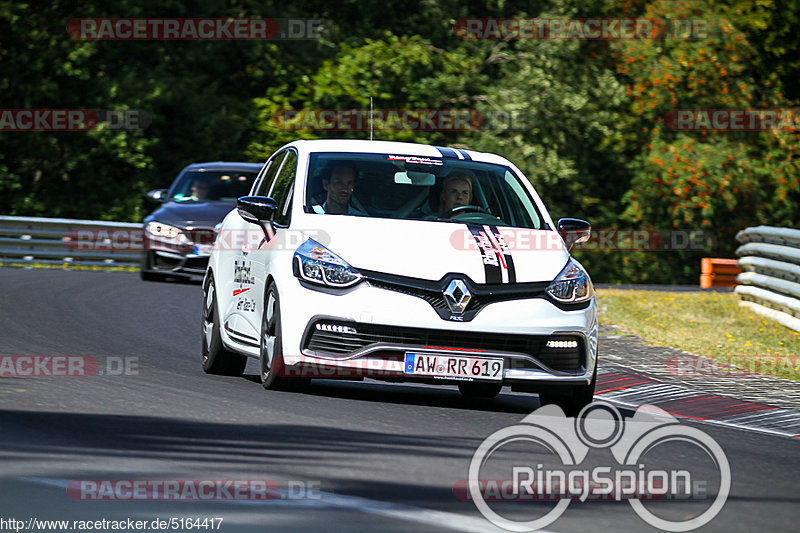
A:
(370, 118)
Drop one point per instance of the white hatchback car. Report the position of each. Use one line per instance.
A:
(401, 262)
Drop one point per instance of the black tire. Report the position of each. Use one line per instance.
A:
(477, 389)
(572, 403)
(216, 358)
(144, 269)
(270, 361)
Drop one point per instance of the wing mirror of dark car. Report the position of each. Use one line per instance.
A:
(258, 210)
(158, 196)
(574, 231)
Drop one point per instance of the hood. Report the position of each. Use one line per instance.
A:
(429, 250)
(191, 213)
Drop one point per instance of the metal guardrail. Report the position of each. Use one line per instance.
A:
(57, 241)
(770, 281)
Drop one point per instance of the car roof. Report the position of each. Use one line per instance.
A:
(224, 165)
(400, 148)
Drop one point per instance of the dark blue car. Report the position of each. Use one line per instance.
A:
(178, 236)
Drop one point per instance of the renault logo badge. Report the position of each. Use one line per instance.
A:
(457, 296)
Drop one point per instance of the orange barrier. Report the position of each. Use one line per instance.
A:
(718, 272)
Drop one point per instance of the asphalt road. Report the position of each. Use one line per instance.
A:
(348, 456)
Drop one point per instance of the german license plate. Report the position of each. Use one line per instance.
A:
(453, 367)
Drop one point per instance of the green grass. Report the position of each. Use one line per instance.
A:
(708, 324)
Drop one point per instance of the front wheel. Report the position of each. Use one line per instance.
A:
(572, 403)
(216, 358)
(270, 361)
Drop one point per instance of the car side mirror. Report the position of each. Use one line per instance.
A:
(574, 231)
(258, 210)
(158, 196)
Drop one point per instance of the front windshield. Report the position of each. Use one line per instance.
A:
(213, 185)
(418, 188)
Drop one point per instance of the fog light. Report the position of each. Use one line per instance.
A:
(562, 344)
(334, 328)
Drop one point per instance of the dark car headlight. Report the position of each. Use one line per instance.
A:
(166, 233)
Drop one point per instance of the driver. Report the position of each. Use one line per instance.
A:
(200, 188)
(339, 187)
(456, 192)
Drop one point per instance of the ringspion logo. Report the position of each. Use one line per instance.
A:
(558, 471)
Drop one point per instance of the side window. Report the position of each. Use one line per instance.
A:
(269, 176)
(282, 189)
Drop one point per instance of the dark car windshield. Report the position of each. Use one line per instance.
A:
(418, 188)
(216, 185)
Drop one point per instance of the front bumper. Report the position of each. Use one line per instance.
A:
(181, 258)
(369, 330)
(171, 262)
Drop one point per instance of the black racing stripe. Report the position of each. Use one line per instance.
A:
(491, 261)
(465, 154)
(512, 273)
(447, 152)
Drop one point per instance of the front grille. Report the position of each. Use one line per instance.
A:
(334, 343)
(196, 263)
(434, 298)
(165, 263)
(432, 291)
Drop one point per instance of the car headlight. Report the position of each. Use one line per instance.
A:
(314, 263)
(167, 232)
(572, 285)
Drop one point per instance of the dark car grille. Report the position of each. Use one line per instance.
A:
(337, 343)
(201, 235)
